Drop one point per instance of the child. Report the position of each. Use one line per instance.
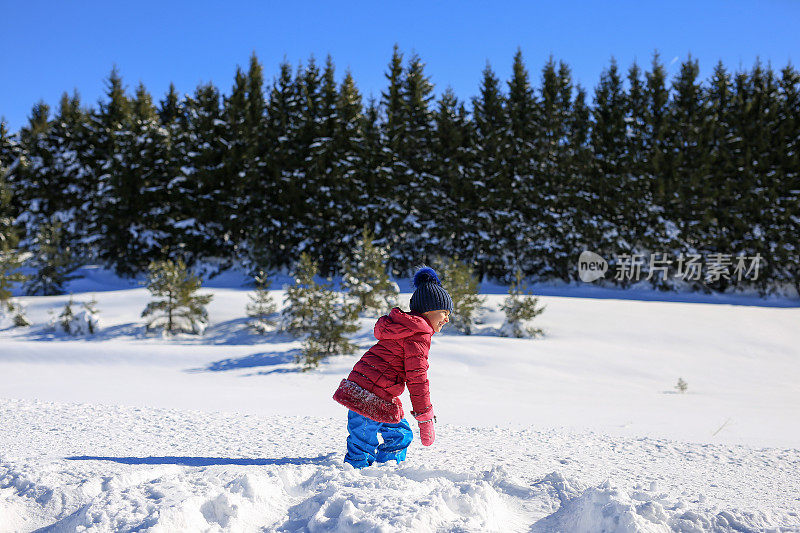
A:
(372, 389)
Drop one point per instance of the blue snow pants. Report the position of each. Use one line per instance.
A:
(363, 447)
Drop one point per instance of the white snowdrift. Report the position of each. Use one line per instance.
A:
(70, 467)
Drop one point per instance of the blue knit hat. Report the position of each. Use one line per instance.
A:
(430, 295)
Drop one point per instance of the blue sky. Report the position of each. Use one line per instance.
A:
(57, 46)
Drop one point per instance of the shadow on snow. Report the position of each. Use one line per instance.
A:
(207, 461)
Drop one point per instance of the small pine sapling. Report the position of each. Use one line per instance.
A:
(300, 297)
(17, 313)
(90, 315)
(262, 307)
(177, 306)
(520, 307)
(66, 317)
(462, 284)
(320, 313)
(682, 386)
(333, 319)
(365, 279)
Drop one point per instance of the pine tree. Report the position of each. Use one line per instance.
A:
(53, 178)
(553, 217)
(331, 320)
(262, 307)
(640, 215)
(275, 202)
(786, 208)
(11, 259)
(254, 176)
(197, 194)
(462, 285)
(116, 200)
(325, 221)
(353, 190)
(91, 313)
(392, 168)
(607, 226)
(236, 163)
(176, 307)
(722, 145)
(419, 190)
(453, 159)
(656, 124)
(299, 302)
(53, 260)
(154, 228)
(365, 279)
(489, 176)
(319, 313)
(36, 180)
(66, 317)
(523, 220)
(520, 307)
(687, 188)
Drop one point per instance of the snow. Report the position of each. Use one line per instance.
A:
(581, 430)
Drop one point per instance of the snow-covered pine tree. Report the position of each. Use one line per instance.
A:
(520, 308)
(453, 159)
(606, 220)
(462, 284)
(197, 190)
(35, 180)
(719, 222)
(523, 222)
(419, 191)
(262, 307)
(758, 178)
(117, 203)
(350, 171)
(641, 213)
(153, 227)
(365, 279)
(275, 201)
(53, 181)
(83, 322)
(491, 133)
(176, 307)
(254, 175)
(52, 259)
(688, 196)
(558, 146)
(391, 167)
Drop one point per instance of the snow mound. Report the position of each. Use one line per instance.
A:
(331, 496)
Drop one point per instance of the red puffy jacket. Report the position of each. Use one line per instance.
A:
(399, 357)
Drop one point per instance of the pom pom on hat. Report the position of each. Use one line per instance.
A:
(425, 275)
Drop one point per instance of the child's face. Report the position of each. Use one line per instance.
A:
(437, 318)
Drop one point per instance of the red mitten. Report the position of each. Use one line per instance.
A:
(426, 420)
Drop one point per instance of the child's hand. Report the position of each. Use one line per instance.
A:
(426, 432)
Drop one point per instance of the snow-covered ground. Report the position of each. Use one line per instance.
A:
(580, 431)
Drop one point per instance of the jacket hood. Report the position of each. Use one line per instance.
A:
(399, 324)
